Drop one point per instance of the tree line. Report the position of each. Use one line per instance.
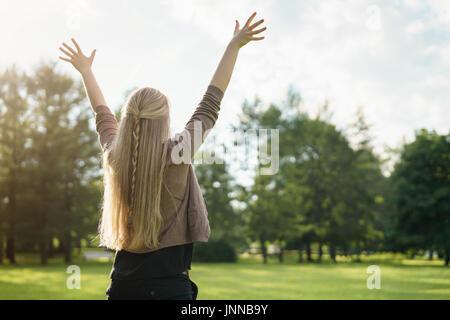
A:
(329, 192)
(49, 164)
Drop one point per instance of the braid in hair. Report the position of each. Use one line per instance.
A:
(136, 130)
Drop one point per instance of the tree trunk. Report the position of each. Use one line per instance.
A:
(61, 246)
(10, 246)
(68, 249)
(358, 251)
(43, 242)
(1, 244)
(79, 246)
(10, 251)
(320, 252)
(308, 252)
(280, 255)
(43, 250)
(333, 251)
(68, 237)
(300, 254)
(447, 256)
(264, 250)
(51, 248)
(430, 254)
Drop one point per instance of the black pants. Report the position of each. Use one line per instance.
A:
(177, 287)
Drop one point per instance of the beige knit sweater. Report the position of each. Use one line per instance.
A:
(189, 222)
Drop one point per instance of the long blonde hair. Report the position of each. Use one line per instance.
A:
(134, 168)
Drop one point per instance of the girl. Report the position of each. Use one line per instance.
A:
(153, 209)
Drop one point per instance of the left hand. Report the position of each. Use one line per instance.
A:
(81, 62)
(243, 36)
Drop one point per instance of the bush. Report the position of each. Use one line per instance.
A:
(215, 250)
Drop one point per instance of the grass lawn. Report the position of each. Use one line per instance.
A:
(248, 279)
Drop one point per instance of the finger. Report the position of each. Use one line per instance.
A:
(76, 45)
(250, 19)
(66, 52)
(70, 49)
(68, 60)
(93, 54)
(257, 31)
(256, 24)
(236, 28)
(256, 38)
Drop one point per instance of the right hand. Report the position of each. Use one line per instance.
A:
(76, 57)
(243, 36)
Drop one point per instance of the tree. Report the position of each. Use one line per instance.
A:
(365, 214)
(64, 156)
(14, 135)
(79, 170)
(269, 211)
(219, 193)
(422, 193)
(325, 192)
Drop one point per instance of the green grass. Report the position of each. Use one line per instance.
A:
(248, 279)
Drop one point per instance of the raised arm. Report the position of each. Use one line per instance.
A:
(105, 120)
(83, 64)
(241, 37)
(206, 114)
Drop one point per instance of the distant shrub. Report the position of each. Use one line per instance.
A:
(215, 250)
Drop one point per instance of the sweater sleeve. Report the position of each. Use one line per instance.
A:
(106, 125)
(196, 129)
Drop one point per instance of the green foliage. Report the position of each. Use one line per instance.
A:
(219, 192)
(329, 190)
(325, 190)
(215, 250)
(51, 161)
(421, 182)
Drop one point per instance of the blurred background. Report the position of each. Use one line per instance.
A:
(358, 91)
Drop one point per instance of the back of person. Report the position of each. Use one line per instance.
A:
(153, 210)
(137, 265)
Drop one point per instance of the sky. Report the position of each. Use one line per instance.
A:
(391, 58)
